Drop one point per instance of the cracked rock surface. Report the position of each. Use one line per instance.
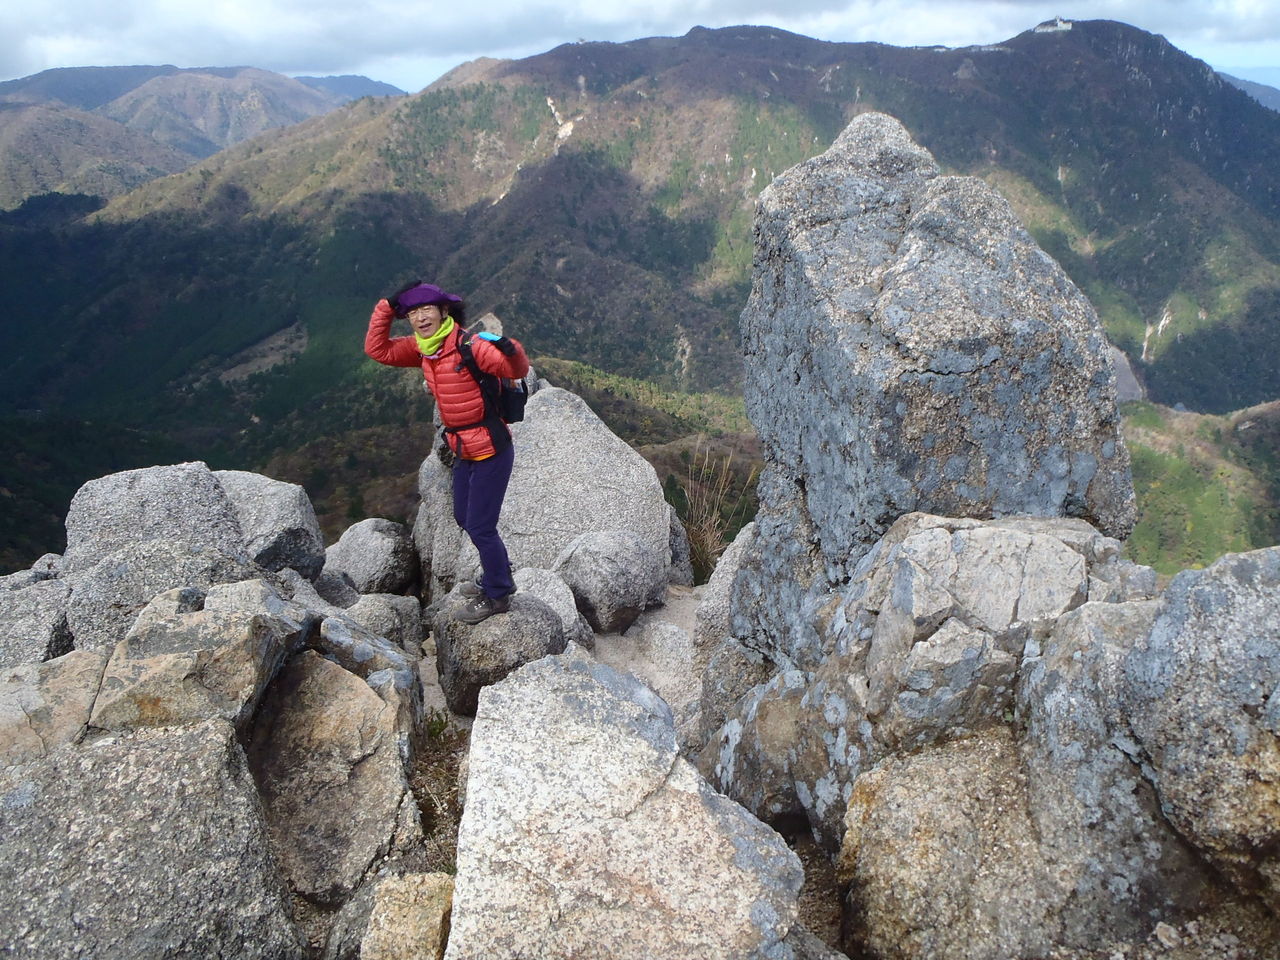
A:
(572, 475)
(908, 347)
(586, 835)
(334, 790)
(145, 845)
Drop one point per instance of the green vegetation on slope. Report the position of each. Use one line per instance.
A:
(42, 464)
(1205, 485)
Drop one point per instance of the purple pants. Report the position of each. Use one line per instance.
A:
(478, 489)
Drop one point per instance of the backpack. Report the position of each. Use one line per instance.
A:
(502, 395)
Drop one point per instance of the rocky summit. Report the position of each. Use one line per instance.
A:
(925, 709)
(910, 347)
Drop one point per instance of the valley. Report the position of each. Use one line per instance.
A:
(598, 198)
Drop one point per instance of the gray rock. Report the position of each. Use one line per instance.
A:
(171, 603)
(933, 357)
(752, 758)
(325, 756)
(714, 617)
(278, 521)
(404, 917)
(396, 618)
(337, 588)
(1117, 862)
(44, 705)
(193, 666)
(547, 586)
(332, 632)
(1128, 386)
(473, 656)
(613, 575)
(439, 540)
(586, 835)
(248, 597)
(150, 845)
(346, 930)
(731, 673)
(378, 555)
(33, 623)
(921, 646)
(46, 568)
(361, 651)
(941, 860)
(659, 654)
(1202, 697)
(183, 504)
(303, 592)
(681, 560)
(572, 475)
(388, 670)
(19, 579)
(805, 946)
(107, 597)
(49, 565)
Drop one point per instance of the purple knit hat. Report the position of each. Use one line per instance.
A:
(422, 294)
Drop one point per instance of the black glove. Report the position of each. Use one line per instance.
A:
(394, 299)
(502, 343)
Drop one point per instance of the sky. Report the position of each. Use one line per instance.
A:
(410, 43)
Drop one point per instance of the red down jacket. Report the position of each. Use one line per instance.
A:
(457, 394)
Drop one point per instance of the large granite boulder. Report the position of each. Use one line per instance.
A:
(378, 555)
(46, 705)
(324, 753)
(571, 476)
(613, 574)
(473, 656)
(922, 645)
(33, 623)
(107, 597)
(183, 504)
(1117, 861)
(1202, 697)
(933, 357)
(145, 845)
(547, 586)
(586, 835)
(193, 666)
(941, 860)
(278, 522)
(397, 618)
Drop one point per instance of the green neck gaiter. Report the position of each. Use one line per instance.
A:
(427, 346)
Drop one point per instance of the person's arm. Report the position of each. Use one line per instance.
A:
(379, 344)
(503, 357)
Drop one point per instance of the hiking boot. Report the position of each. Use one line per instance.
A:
(471, 589)
(482, 608)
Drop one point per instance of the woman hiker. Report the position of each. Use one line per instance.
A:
(478, 438)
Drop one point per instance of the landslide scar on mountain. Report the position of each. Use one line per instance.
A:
(281, 347)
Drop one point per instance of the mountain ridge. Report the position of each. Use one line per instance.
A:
(1122, 185)
(599, 198)
(146, 121)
